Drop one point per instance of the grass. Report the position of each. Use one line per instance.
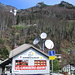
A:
(19, 27)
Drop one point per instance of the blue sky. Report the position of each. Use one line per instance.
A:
(24, 4)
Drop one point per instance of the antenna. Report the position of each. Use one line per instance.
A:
(43, 35)
(36, 41)
(49, 44)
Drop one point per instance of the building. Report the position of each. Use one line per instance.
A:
(26, 59)
(69, 69)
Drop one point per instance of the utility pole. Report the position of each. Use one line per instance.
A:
(70, 60)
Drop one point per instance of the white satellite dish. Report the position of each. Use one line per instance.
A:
(49, 44)
(43, 35)
(36, 41)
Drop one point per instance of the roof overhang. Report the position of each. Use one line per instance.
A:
(5, 62)
(22, 48)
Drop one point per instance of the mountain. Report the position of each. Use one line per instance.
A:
(63, 10)
(56, 20)
(67, 5)
(7, 7)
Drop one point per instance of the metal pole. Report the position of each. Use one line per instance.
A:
(52, 67)
(70, 67)
(43, 44)
(49, 67)
(39, 46)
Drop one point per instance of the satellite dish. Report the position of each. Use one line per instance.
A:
(49, 44)
(43, 35)
(36, 41)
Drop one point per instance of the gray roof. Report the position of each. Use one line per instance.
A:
(22, 48)
(17, 51)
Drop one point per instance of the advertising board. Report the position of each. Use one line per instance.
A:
(30, 62)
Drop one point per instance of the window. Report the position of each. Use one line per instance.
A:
(21, 62)
(40, 62)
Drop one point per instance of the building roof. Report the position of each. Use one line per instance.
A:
(17, 51)
(22, 48)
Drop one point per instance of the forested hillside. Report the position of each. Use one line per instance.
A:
(58, 21)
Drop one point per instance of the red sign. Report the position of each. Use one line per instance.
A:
(23, 67)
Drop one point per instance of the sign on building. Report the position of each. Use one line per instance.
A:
(30, 61)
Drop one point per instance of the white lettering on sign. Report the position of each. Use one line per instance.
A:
(21, 67)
